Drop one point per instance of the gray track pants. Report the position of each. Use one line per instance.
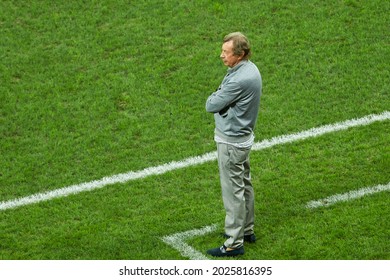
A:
(237, 193)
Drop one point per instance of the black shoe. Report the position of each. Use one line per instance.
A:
(225, 252)
(251, 238)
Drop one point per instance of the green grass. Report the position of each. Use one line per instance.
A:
(95, 88)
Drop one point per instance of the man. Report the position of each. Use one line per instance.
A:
(235, 105)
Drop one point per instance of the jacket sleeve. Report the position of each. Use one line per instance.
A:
(223, 97)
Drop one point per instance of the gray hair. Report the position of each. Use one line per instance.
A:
(240, 44)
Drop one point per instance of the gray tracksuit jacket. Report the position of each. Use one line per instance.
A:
(236, 102)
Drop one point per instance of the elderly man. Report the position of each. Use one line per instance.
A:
(235, 106)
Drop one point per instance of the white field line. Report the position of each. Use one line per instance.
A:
(134, 175)
(347, 196)
(178, 242)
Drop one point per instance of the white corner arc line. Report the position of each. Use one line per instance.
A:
(164, 168)
(347, 196)
(177, 241)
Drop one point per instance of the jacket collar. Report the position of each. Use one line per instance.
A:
(236, 67)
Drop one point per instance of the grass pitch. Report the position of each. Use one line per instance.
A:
(95, 88)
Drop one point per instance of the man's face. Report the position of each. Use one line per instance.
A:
(227, 55)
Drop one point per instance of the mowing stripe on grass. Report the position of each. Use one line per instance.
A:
(125, 177)
(177, 241)
(347, 196)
